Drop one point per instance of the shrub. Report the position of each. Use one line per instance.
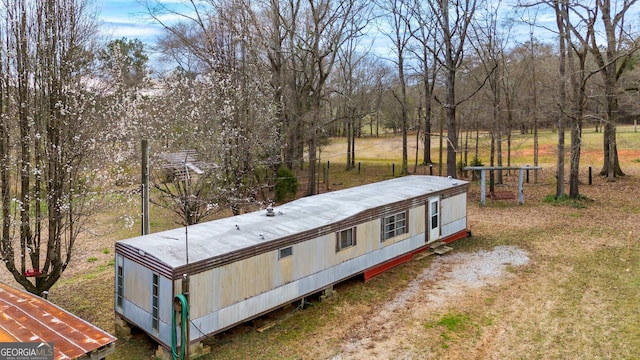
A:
(476, 161)
(286, 184)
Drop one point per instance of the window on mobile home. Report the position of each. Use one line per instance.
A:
(394, 225)
(345, 238)
(435, 211)
(154, 302)
(285, 252)
(120, 285)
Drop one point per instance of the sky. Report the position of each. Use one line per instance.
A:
(129, 18)
(126, 18)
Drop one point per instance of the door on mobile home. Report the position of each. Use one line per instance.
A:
(433, 219)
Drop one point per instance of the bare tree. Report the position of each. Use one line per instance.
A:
(277, 31)
(490, 50)
(578, 80)
(453, 21)
(327, 26)
(355, 93)
(288, 64)
(423, 31)
(612, 60)
(561, 10)
(399, 15)
(534, 102)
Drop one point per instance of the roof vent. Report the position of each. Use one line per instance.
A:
(270, 211)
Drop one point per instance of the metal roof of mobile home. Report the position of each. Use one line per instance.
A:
(223, 236)
(25, 317)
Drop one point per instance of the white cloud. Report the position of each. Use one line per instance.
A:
(131, 31)
(171, 18)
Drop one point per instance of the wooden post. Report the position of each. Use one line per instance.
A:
(520, 189)
(185, 292)
(483, 191)
(324, 175)
(145, 187)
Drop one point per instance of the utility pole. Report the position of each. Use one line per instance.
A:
(145, 187)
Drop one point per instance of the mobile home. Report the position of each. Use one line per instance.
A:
(228, 271)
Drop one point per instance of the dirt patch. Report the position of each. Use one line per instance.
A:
(445, 281)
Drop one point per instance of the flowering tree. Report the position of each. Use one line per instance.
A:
(233, 142)
(47, 136)
(219, 104)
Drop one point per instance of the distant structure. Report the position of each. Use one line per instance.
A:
(244, 266)
(182, 165)
(483, 178)
(25, 317)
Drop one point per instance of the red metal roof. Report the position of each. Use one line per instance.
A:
(25, 317)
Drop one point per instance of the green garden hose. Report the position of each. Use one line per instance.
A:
(184, 306)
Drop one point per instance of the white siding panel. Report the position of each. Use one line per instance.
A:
(284, 271)
(137, 285)
(245, 278)
(257, 304)
(203, 326)
(165, 298)
(142, 319)
(203, 288)
(454, 208)
(313, 256)
(368, 237)
(454, 227)
(417, 219)
(454, 214)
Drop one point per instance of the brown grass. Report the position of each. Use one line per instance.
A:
(578, 298)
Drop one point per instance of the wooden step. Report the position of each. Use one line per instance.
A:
(442, 250)
(436, 244)
(423, 255)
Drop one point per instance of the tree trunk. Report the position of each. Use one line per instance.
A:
(574, 168)
(6, 248)
(349, 134)
(492, 177)
(452, 133)
(312, 142)
(611, 166)
(561, 8)
(353, 139)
